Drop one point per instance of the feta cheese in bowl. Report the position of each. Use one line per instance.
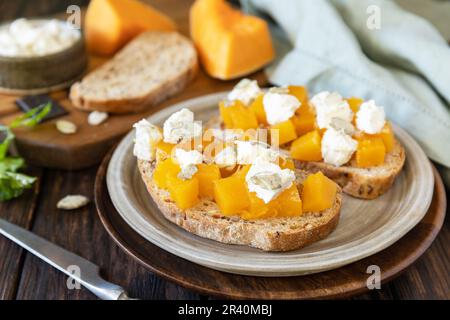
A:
(31, 38)
(40, 55)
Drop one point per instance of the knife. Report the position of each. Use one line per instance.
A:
(61, 259)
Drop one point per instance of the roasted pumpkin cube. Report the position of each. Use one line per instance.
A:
(258, 109)
(285, 131)
(242, 171)
(371, 152)
(228, 171)
(354, 103)
(300, 92)
(289, 203)
(304, 119)
(242, 117)
(318, 193)
(163, 171)
(163, 150)
(258, 209)
(184, 193)
(387, 135)
(230, 194)
(307, 147)
(286, 163)
(206, 175)
(225, 113)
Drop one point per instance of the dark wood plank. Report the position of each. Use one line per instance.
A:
(80, 231)
(19, 211)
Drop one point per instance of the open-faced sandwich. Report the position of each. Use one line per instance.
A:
(231, 187)
(349, 140)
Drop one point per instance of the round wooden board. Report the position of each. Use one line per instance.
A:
(338, 283)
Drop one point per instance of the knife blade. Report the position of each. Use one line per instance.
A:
(63, 260)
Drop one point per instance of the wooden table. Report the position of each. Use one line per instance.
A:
(23, 276)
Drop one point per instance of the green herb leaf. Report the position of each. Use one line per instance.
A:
(11, 164)
(13, 184)
(4, 145)
(32, 117)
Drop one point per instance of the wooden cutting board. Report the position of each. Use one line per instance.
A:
(45, 146)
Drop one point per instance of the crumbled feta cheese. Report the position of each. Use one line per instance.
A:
(337, 147)
(226, 157)
(249, 151)
(339, 124)
(245, 91)
(328, 106)
(27, 38)
(147, 136)
(227, 135)
(370, 118)
(181, 126)
(188, 161)
(268, 180)
(279, 106)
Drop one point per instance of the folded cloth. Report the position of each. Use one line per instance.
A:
(373, 49)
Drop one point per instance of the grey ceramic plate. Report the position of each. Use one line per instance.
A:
(365, 227)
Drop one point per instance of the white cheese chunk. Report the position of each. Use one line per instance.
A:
(329, 106)
(279, 106)
(226, 157)
(249, 151)
(188, 160)
(370, 118)
(181, 126)
(337, 147)
(227, 135)
(245, 91)
(268, 180)
(146, 137)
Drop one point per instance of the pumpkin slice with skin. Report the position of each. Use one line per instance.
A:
(110, 24)
(230, 43)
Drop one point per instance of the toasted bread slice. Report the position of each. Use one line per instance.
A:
(364, 183)
(274, 234)
(151, 68)
(361, 183)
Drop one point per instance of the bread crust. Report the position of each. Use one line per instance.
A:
(275, 234)
(166, 88)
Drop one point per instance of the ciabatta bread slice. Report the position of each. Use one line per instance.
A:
(364, 183)
(275, 234)
(151, 68)
(361, 183)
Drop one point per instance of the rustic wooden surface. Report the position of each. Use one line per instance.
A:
(22, 276)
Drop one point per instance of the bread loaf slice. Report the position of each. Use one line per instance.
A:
(152, 67)
(274, 234)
